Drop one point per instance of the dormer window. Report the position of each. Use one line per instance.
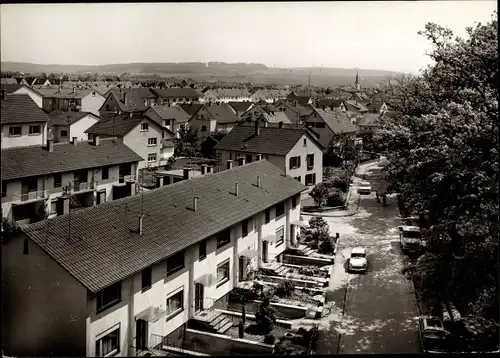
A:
(144, 127)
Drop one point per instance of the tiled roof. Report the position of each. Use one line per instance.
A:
(22, 162)
(10, 87)
(231, 92)
(20, 108)
(277, 117)
(105, 248)
(135, 103)
(185, 92)
(335, 103)
(173, 112)
(117, 125)
(60, 118)
(369, 119)
(272, 141)
(222, 113)
(240, 107)
(353, 107)
(337, 121)
(55, 92)
(8, 81)
(375, 106)
(192, 108)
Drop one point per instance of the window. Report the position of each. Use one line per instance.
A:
(175, 304)
(223, 238)
(109, 345)
(175, 263)
(14, 131)
(105, 173)
(144, 127)
(151, 157)
(320, 125)
(146, 279)
(244, 228)
(223, 273)
(35, 130)
(109, 297)
(202, 250)
(64, 133)
(248, 158)
(25, 247)
(280, 236)
(82, 175)
(57, 180)
(53, 206)
(298, 178)
(4, 189)
(311, 179)
(268, 215)
(294, 202)
(310, 161)
(294, 162)
(203, 128)
(151, 142)
(280, 209)
(305, 142)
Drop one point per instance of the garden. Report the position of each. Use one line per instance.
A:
(317, 237)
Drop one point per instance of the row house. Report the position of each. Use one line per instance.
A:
(226, 95)
(295, 151)
(116, 279)
(213, 117)
(329, 124)
(140, 97)
(173, 96)
(138, 132)
(267, 118)
(123, 101)
(23, 123)
(268, 95)
(297, 115)
(41, 181)
(67, 125)
(172, 118)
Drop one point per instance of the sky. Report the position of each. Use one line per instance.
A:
(367, 35)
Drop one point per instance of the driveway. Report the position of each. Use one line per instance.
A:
(374, 312)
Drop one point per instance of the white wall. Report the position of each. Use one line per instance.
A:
(301, 151)
(25, 139)
(38, 99)
(92, 103)
(78, 128)
(137, 140)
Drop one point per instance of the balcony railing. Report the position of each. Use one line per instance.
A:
(40, 194)
(80, 186)
(125, 178)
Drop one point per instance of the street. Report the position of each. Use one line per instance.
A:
(374, 312)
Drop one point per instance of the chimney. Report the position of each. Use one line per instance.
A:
(257, 128)
(259, 157)
(241, 161)
(259, 181)
(63, 205)
(188, 173)
(280, 124)
(75, 140)
(204, 169)
(236, 189)
(229, 164)
(140, 224)
(195, 203)
(50, 145)
(96, 140)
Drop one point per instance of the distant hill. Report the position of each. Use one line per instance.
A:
(227, 72)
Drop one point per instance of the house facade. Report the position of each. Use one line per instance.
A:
(226, 95)
(330, 124)
(173, 96)
(35, 95)
(65, 126)
(213, 117)
(157, 283)
(71, 99)
(36, 177)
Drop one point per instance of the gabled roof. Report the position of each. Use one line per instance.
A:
(10, 87)
(185, 92)
(337, 121)
(222, 113)
(118, 125)
(56, 92)
(276, 117)
(60, 118)
(272, 141)
(375, 106)
(334, 103)
(191, 109)
(105, 247)
(240, 107)
(353, 107)
(135, 103)
(22, 162)
(9, 81)
(231, 92)
(173, 112)
(369, 119)
(20, 108)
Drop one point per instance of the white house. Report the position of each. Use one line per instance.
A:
(66, 125)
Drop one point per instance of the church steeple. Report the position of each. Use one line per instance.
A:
(356, 83)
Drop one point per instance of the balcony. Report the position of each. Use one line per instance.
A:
(30, 196)
(126, 178)
(82, 186)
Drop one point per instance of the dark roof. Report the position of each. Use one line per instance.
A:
(20, 108)
(22, 162)
(191, 109)
(337, 121)
(335, 103)
(176, 92)
(222, 113)
(240, 107)
(104, 247)
(271, 140)
(117, 125)
(135, 103)
(139, 92)
(369, 119)
(173, 112)
(375, 106)
(353, 107)
(10, 87)
(60, 118)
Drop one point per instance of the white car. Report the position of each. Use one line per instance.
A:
(365, 188)
(357, 261)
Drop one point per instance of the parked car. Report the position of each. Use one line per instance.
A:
(410, 238)
(357, 261)
(433, 336)
(365, 188)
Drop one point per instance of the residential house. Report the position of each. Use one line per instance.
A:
(23, 123)
(213, 117)
(131, 272)
(140, 133)
(170, 117)
(66, 99)
(368, 123)
(8, 81)
(35, 177)
(226, 95)
(268, 95)
(122, 102)
(301, 98)
(136, 95)
(174, 96)
(40, 81)
(297, 115)
(36, 96)
(190, 108)
(377, 107)
(354, 110)
(67, 125)
(331, 104)
(167, 177)
(328, 125)
(295, 151)
(268, 119)
(10, 87)
(240, 107)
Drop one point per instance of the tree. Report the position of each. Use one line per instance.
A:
(186, 144)
(265, 316)
(441, 135)
(319, 194)
(342, 149)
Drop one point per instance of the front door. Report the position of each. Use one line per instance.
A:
(264, 250)
(198, 297)
(141, 334)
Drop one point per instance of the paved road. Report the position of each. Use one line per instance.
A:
(374, 312)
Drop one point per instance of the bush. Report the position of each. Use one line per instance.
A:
(319, 194)
(285, 288)
(265, 317)
(340, 182)
(269, 339)
(327, 245)
(335, 197)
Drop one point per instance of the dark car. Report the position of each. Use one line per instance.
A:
(433, 336)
